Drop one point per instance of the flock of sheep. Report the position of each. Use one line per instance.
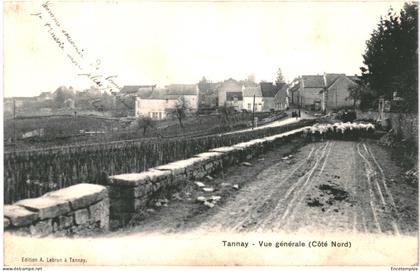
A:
(340, 130)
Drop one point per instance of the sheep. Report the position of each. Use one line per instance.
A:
(347, 130)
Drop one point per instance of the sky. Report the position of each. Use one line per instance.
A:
(168, 42)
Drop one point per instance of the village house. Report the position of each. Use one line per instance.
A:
(249, 102)
(155, 106)
(266, 97)
(281, 99)
(322, 92)
(294, 91)
(143, 91)
(230, 93)
(337, 92)
(188, 91)
(268, 91)
(159, 102)
(234, 99)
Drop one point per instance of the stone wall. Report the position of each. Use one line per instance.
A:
(79, 209)
(404, 123)
(130, 193)
(85, 208)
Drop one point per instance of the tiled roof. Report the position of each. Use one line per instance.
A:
(313, 81)
(282, 91)
(280, 86)
(317, 81)
(332, 77)
(251, 91)
(182, 89)
(164, 94)
(142, 91)
(268, 89)
(170, 92)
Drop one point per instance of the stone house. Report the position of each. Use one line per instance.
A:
(308, 93)
(294, 92)
(265, 97)
(188, 91)
(157, 104)
(337, 95)
(230, 92)
(248, 103)
(240, 95)
(268, 92)
(322, 92)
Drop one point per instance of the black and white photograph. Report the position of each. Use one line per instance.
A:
(210, 133)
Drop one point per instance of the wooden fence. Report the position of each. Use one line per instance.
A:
(33, 173)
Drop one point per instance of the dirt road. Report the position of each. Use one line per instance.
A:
(323, 186)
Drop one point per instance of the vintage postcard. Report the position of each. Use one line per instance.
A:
(210, 133)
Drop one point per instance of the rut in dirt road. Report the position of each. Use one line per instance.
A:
(259, 218)
(273, 187)
(285, 208)
(382, 205)
(333, 185)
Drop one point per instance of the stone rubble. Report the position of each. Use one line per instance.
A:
(208, 189)
(200, 184)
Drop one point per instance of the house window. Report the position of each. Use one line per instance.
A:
(249, 106)
(155, 115)
(160, 115)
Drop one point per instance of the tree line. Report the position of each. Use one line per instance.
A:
(390, 61)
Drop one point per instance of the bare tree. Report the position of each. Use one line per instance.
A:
(145, 123)
(225, 112)
(180, 111)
